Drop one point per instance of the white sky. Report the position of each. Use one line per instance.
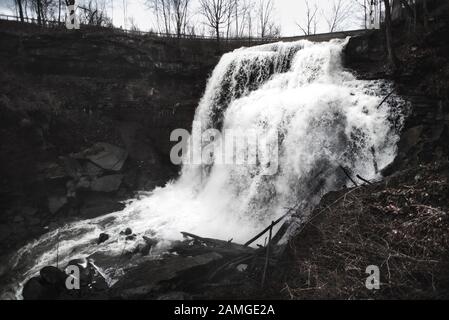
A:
(287, 12)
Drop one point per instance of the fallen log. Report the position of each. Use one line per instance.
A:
(203, 245)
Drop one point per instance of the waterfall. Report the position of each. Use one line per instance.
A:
(295, 97)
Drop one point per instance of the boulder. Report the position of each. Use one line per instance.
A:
(53, 276)
(32, 221)
(104, 155)
(410, 138)
(55, 203)
(51, 171)
(28, 211)
(131, 237)
(176, 295)
(36, 289)
(108, 183)
(72, 167)
(18, 219)
(96, 206)
(103, 237)
(92, 170)
(146, 277)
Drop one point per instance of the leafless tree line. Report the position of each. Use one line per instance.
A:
(336, 15)
(223, 18)
(91, 12)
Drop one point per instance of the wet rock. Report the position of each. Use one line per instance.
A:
(36, 289)
(131, 237)
(242, 267)
(33, 221)
(104, 155)
(80, 262)
(51, 171)
(18, 219)
(92, 170)
(126, 232)
(150, 241)
(72, 167)
(144, 248)
(95, 206)
(55, 203)
(28, 211)
(410, 138)
(109, 183)
(176, 295)
(103, 237)
(146, 277)
(83, 183)
(5, 232)
(53, 276)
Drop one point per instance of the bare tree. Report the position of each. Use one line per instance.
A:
(389, 36)
(179, 12)
(338, 15)
(163, 11)
(363, 4)
(241, 9)
(265, 16)
(310, 23)
(229, 16)
(215, 12)
(20, 9)
(94, 13)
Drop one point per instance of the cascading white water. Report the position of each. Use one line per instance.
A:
(295, 93)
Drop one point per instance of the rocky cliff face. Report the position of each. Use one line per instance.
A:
(64, 93)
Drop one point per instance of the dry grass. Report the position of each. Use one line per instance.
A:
(400, 225)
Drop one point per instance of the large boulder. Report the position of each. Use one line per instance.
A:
(104, 155)
(108, 183)
(37, 289)
(53, 276)
(55, 203)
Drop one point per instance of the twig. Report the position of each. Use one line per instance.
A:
(57, 251)
(385, 99)
(347, 175)
(266, 229)
(373, 152)
(268, 255)
(364, 180)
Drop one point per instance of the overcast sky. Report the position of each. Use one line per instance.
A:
(287, 13)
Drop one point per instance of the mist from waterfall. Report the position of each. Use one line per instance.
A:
(295, 93)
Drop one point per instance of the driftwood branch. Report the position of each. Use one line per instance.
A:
(385, 99)
(268, 255)
(348, 175)
(364, 180)
(266, 229)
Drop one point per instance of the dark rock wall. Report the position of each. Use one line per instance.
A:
(421, 80)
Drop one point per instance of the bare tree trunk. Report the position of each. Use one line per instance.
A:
(217, 31)
(236, 19)
(59, 12)
(425, 15)
(39, 12)
(366, 16)
(19, 5)
(389, 36)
